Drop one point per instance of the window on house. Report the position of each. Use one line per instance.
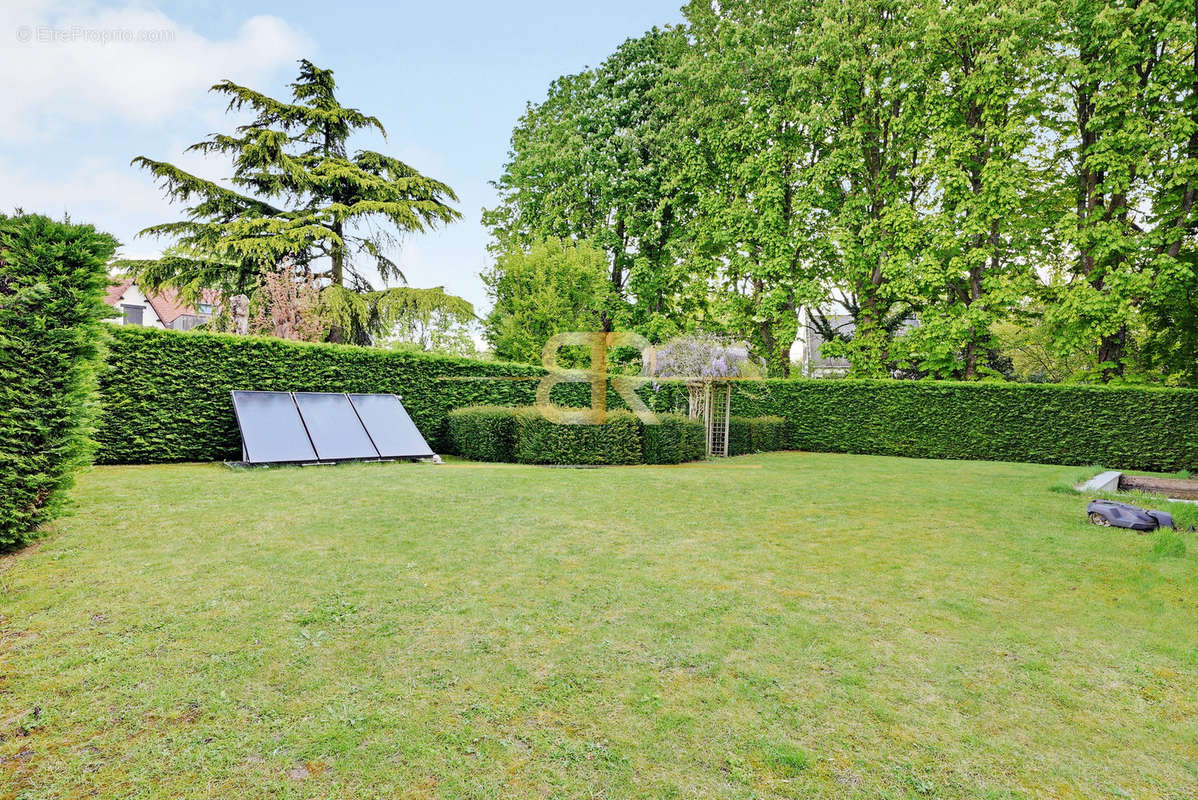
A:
(204, 308)
(133, 314)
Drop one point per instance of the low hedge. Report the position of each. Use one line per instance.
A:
(52, 281)
(756, 435)
(483, 433)
(540, 441)
(523, 435)
(674, 440)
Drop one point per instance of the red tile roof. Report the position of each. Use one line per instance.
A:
(116, 291)
(166, 304)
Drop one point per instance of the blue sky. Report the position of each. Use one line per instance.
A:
(99, 83)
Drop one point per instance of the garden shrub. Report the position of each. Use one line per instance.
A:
(52, 280)
(540, 441)
(674, 440)
(738, 436)
(483, 433)
(756, 435)
(767, 434)
(495, 433)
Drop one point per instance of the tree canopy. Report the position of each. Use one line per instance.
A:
(941, 171)
(298, 191)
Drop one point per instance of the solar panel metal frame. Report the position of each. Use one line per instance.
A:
(309, 456)
(334, 445)
(379, 433)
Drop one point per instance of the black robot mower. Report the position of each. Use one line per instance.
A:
(1110, 514)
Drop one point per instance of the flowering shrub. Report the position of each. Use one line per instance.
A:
(704, 357)
(701, 356)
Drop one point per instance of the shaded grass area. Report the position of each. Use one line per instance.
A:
(780, 625)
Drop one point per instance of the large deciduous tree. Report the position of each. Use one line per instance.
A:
(986, 216)
(747, 150)
(1127, 140)
(594, 161)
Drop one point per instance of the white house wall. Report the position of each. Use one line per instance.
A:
(134, 297)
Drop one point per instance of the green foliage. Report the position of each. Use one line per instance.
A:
(674, 440)
(165, 394)
(756, 435)
(767, 434)
(300, 193)
(1122, 427)
(491, 433)
(954, 162)
(597, 160)
(1126, 134)
(551, 286)
(166, 398)
(422, 319)
(483, 433)
(540, 441)
(52, 279)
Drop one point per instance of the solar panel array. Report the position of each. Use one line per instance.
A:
(312, 427)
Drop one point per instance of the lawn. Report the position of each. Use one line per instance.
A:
(781, 625)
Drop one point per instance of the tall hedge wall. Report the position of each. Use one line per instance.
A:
(1118, 427)
(166, 394)
(52, 279)
(166, 398)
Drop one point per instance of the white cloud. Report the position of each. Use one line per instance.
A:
(70, 63)
(109, 195)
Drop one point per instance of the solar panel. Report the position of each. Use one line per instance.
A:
(334, 427)
(271, 428)
(390, 427)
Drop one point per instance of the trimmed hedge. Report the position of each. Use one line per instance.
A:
(756, 435)
(52, 281)
(490, 433)
(540, 441)
(166, 398)
(483, 433)
(166, 393)
(674, 440)
(1118, 427)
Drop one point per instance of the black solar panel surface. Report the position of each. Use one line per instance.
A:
(336, 431)
(271, 428)
(393, 432)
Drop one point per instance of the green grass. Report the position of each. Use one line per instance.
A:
(782, 625)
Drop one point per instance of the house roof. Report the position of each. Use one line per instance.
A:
(116, 291)
(166, 304)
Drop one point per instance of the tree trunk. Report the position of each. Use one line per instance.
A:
(1110, 352)
(338, 257)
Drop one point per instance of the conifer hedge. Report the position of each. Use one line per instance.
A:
(1118, 427)
(166, 398)
(675, 439)
(52, 281)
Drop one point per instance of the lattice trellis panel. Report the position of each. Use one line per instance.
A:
(713, 402)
